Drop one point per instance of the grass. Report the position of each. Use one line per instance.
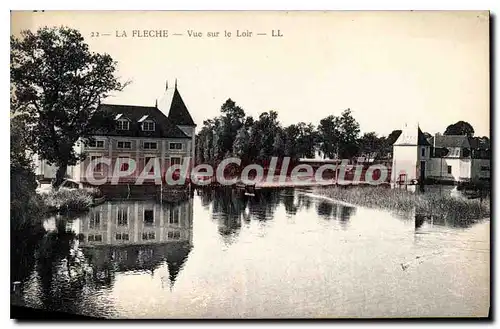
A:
(69, 200)
(428, 203)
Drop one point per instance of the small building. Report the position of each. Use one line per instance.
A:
(142, 133)
(462, 159)
(411, 155)
(441, 158)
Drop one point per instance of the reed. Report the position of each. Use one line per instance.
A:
(427, 203)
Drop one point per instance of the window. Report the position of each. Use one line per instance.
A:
(94, 237)
(175, 146)
(485, 168)
(122, 124)
(449, 169)
(174, 235)
(423, 151)
(175, 161)
(150, 145)
(174, 216)
(99, 166)
(97, 144)
(148, 216)
(148, 235)
(122, 217)
(124, 145)
(95, 220)
(121, 236)
(148, 126)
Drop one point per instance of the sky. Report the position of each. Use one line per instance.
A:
(389, 68)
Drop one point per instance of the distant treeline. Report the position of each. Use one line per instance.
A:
(233, 133)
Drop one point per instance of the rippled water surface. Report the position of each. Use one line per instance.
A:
(287, 253)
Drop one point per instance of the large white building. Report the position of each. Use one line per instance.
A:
(440, 158)
(142, 133)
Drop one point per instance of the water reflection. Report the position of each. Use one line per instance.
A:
(246, 252)
(230, 207)
(330, 210)
(137, 236)
(80, 255)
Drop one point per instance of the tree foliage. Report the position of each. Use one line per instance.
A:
(371, 144)
(460, 128)
(58, 84)
(233, 133)
(24, 205)
(338, 136)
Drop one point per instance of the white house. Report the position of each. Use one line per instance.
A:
(441, 158)
(464, 160)
(411, 155)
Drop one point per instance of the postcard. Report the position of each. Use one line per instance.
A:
(250, 164)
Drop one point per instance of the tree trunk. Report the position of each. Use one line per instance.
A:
(60, 174)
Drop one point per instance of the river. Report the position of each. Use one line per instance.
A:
(281, 254)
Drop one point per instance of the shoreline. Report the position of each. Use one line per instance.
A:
(324, 197)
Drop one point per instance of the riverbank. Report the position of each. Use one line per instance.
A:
(428, 203)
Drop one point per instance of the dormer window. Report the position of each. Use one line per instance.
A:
(148, 125)
(123, 124)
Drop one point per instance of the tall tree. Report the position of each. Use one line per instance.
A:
(279, 143)
(306, 140)
(370, 143)
(349, 132)
(291, 135)
(240, 146)
(460, 128)
(262, 136)
(329, 136)
(232, 120)
(59, 83)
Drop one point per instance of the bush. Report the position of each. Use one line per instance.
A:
(70, 200)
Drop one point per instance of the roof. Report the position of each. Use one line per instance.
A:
(421, 140)
(476, 143)
(178, 112)
(175, 253)
(451, 141)
(164, 128)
